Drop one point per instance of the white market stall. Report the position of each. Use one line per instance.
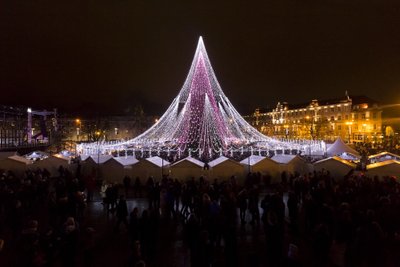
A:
(153, 166)
(52, 164)
(186, 168)
(292, 164)
(17, 164)
(223, 168)
(91, 164)
(263, 165)
(384, 168)
(115, 169)
(336, 166)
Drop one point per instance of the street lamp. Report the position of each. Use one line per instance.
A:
(78, 129)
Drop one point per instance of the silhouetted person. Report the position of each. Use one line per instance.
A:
(121, 213)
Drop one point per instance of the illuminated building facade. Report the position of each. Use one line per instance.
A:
(354, 119)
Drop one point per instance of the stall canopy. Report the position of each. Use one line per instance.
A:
(90, 164)
(336, 166)
(339, 147)
(263, 165)
(384, 156)
(37, 155)
(17, 164)
(223, 168)
(115, 169)
(384, 168)
(153, 166)
(52, 164)
(187, 168)
(292, 164)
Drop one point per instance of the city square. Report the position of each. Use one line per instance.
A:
(280, 148)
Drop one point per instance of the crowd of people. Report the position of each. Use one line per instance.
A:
(305, 220)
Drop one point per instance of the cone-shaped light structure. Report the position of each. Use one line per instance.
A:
(201, 120)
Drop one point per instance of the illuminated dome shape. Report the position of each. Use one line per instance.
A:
(201, 122)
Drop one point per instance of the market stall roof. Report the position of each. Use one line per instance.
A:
(20, 159)
(158, 161)
(191, 160)
(284, 159)
(338, 159)
(252, 160)
(382, 164)
(100, 159)
(127, 161)
(383, 156)
(217, 161)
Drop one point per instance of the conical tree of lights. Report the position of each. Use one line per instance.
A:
(201, 122)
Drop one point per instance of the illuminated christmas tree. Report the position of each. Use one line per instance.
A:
(201, 121)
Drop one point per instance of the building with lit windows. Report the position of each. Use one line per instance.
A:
(353, 118)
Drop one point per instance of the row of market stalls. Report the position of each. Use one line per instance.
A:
(114, 168)
(340, 161)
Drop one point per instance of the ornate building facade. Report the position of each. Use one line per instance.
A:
(354, 119)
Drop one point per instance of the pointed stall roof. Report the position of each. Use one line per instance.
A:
(20, 159)
(127, 161)
(383, 156)
(283, 159)
(339, 147)
(100, 159)
(252, 160)
(338, 159)
(218, 161)
(191, 160)
(158, 161)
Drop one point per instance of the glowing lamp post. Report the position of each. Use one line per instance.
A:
(78, 129)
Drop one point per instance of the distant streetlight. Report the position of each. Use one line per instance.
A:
(78, 129)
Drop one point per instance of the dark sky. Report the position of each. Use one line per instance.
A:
(115, 54)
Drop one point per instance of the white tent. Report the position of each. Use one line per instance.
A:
(37, 155)
(263, 165)
(384, 168)
(336, 166)
(339, 147)
(384, 156)
(187, 168)
(223, 168)
(17, 164)
(115, 169)
(153, 166)
(52, 164)
(292, 164)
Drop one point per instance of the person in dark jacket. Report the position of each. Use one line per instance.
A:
(121, 213)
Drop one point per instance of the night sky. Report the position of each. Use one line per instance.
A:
(112, 55)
